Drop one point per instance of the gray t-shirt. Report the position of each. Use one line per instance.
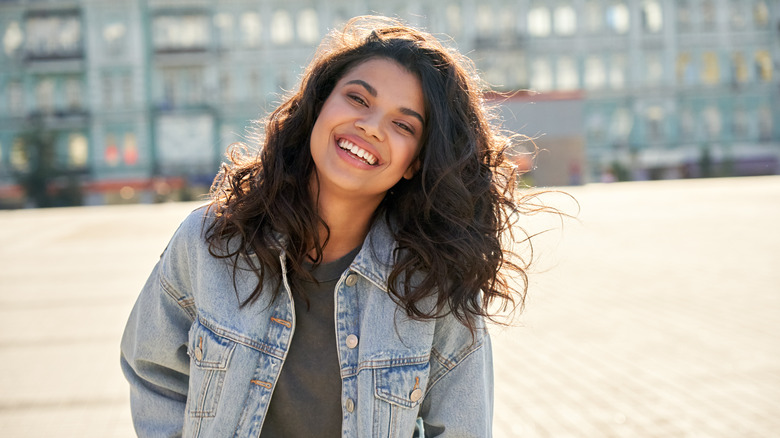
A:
(307, 399)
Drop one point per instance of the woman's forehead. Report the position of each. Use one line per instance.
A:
(387, 79)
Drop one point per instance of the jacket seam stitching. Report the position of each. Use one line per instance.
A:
(184, 302)
(243, 340)
(435, 379)
(376, 282)
(380, 364)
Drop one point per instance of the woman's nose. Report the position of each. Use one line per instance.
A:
(371, 125)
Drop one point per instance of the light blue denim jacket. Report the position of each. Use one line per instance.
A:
(199, 365)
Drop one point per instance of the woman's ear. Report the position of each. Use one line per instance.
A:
(413, 168)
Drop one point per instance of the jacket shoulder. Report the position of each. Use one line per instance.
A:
(195, 224)
(185, 248)
(453, 343)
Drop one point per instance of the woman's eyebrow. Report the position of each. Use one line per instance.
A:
(413, 113)
(372, 91)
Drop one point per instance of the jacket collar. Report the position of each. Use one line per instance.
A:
(377, 256)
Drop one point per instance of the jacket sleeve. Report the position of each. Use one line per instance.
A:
(459, 399)
(154, 356)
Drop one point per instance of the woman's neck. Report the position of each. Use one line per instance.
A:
(348, 222)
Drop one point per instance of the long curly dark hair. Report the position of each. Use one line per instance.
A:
(449, 219)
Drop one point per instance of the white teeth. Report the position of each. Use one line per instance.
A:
(357, 151)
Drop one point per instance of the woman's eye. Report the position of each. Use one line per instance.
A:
(405, 127)
(357, 99)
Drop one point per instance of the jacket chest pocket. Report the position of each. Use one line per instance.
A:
(399, 391)
(209, 359)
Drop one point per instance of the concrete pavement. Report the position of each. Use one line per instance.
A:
(656, 314)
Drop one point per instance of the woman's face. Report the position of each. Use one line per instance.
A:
(367, 135)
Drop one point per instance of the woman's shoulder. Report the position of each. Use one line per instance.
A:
(195, 224)
(191, 233)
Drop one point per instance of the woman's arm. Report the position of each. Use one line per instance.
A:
(459, 400)
(154, 358)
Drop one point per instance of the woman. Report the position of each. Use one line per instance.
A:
(338, 282)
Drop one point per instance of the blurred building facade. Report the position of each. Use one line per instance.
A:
(139, 98)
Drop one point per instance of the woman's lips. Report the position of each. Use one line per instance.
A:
(357, 152)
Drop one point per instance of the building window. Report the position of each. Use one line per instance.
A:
(565, 20)
(181, 32)
(518, 71)
(107, 84)
(595, 73)
(595, 126)
(618, 19)
(181, 86)
(712, 122)
(12, 38)
(193, 80)
(567, 74)
(541, 75)
(764, 65)
(251, 29)
(740, 68)
(44, 95)
(53, 35)
(737, 20)
(170, 95)
(15, 94)
(308, 26)
(281, 28)
(114, 37)
(654, 68)
(621, 126)
(710, 72)
(652, 16)
(117, 89)
(73, 93)
(223, 24)
(740, 123)
(708, 15)
(120, 154)
(539, 21)
(760, 14)
(686, 70)
(617, 71)
(486, 23)
(687, 125)
(655, 124)
(78, 151)
(19, 159)
(127, 89)
(130, 149)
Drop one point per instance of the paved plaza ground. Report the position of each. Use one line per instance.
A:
(655, 314)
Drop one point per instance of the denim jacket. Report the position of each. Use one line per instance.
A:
(200, 365)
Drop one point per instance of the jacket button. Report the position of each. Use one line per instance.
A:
(198, 353)
(351, 279)
(350, 405)
(352, 341)
(415, 395)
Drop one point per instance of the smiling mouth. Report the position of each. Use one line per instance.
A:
(358, 152)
